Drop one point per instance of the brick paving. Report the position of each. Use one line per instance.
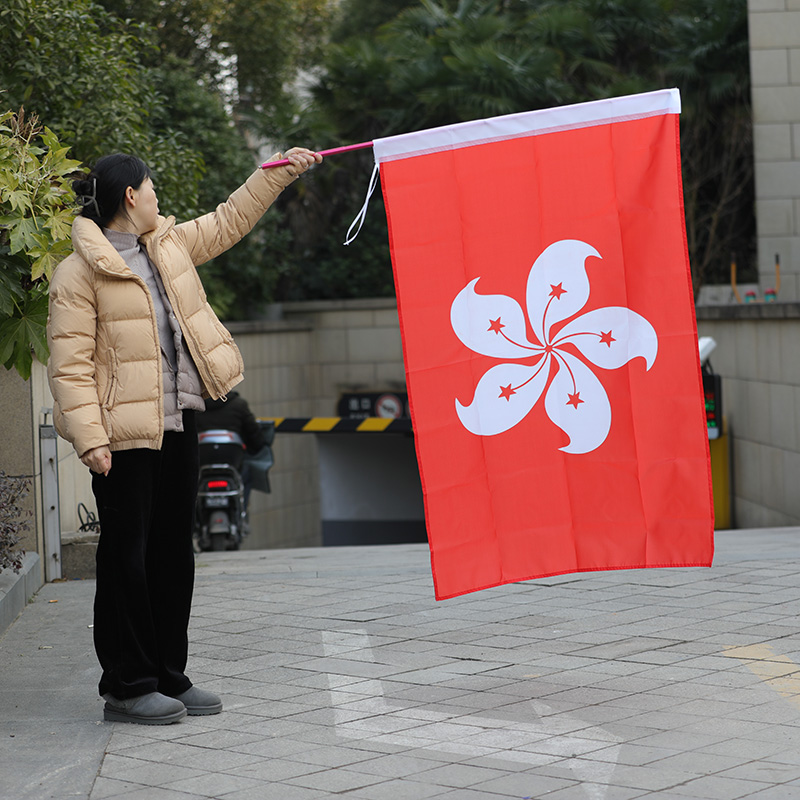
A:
(343, 677)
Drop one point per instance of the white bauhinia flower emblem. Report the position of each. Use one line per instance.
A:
(575, 400)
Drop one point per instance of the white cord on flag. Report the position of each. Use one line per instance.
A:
(362, 214)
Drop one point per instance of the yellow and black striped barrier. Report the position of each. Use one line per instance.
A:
(339, 424)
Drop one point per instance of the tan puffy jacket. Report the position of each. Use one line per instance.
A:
(105, 362)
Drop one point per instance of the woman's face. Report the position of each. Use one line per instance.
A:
(144, 212)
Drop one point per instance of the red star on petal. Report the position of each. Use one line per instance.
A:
(495, 325)
(557, 291)
(606, 338)
(574, 399)
(506, 391)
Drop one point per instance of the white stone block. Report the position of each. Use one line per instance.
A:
(775, 217)
(747, 467)
(337, 378)
(777, 179)
(769, 67)
(746, 336)
(791, 478)
(330, 345)
(735, 401)
(374, 344)
(774, 29)
(387, 318)
(783, 428)
(790, 359)
(344, 319)
(390, 374)
(767, 357)
(772, 478)
(776, 104)
(773, 142)
(786, 249)
(758, 6)
(716, 295)
(768, 248)
(753, 515)
(790, 290)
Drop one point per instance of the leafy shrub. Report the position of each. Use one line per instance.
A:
(36, 212)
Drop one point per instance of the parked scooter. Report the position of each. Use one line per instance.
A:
(220, 517)
(221, 521)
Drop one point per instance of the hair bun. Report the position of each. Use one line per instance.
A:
(82, 186)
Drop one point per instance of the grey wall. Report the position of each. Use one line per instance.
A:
(299, 366)
(758, 357)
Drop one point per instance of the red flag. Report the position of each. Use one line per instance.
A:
(550, 342)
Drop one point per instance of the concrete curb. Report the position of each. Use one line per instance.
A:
(17, 588)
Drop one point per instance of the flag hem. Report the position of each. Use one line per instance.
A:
(527, 123)
(460, 593)
(693, 317)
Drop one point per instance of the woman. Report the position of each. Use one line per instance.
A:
(134, 349)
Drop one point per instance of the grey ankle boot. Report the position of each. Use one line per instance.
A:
(199, 702)
(148, 709)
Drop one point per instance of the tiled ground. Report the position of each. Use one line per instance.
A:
(342, 676)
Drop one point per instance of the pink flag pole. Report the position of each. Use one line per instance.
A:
(346, 149)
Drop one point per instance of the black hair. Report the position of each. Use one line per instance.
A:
(102, 193)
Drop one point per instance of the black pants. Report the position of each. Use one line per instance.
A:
(145, 566)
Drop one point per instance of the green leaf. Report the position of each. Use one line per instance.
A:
(23, 333)
(60, 224)
(19, 199)
(11, 291)
(48, 256)
(22, 235)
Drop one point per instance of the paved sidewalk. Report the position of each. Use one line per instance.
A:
(342, 676)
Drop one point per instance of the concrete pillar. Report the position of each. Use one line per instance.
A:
(775, 74)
